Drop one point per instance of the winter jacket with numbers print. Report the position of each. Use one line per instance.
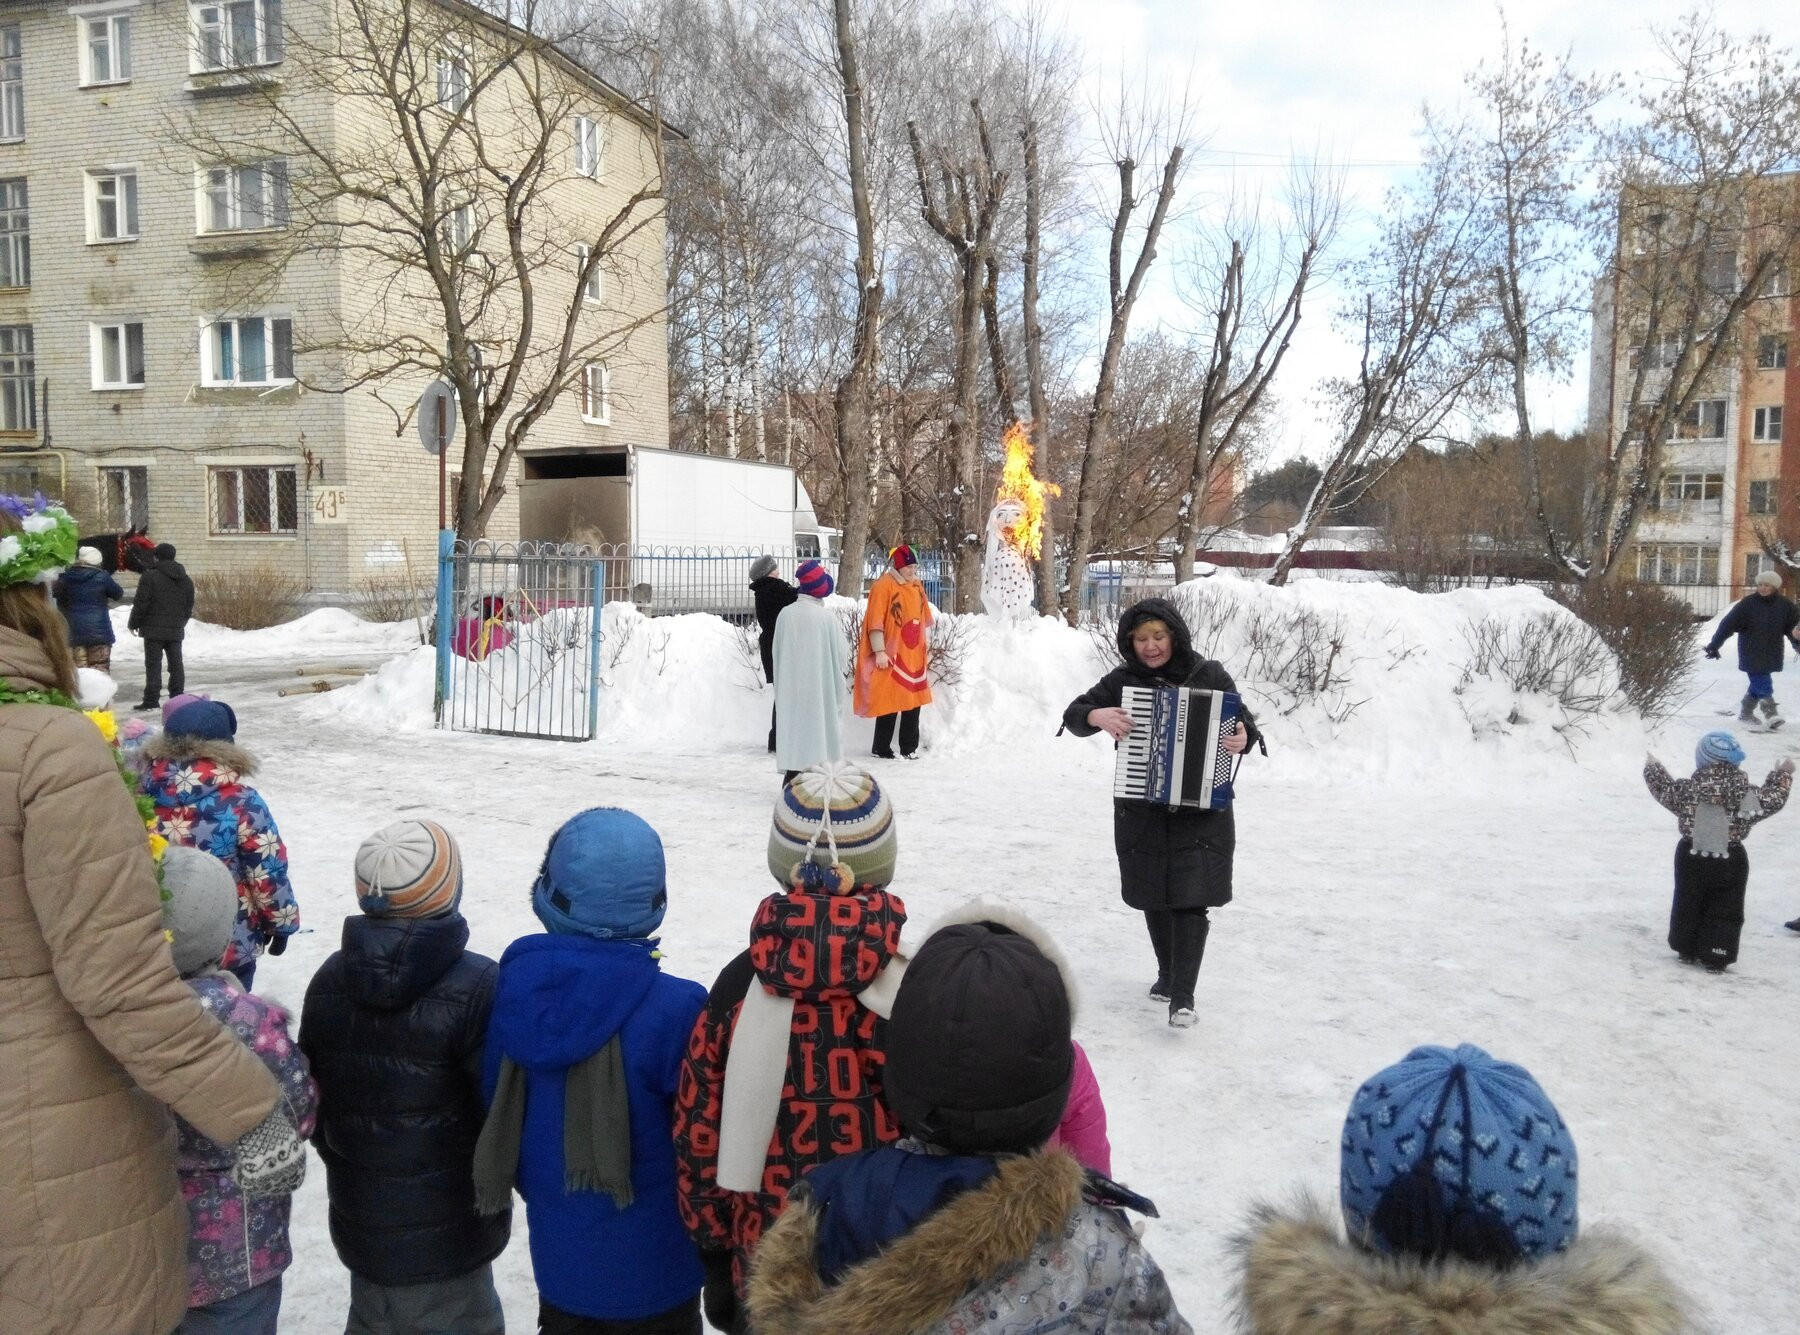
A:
(235, 1244)
(821, 951)
(203, 800)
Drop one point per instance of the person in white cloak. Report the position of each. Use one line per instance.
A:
(810, 665)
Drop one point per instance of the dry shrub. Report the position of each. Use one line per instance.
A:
(947, 651)
(389, 598)
(1649, 630)
(1547, 654)
(248, 597)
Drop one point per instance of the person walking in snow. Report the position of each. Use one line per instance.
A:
(1762, 621)
(584, 1052)
(85, 594)
(892, 654)
(1174, 864)
(773, 594)
(160, 612)
(808, 662)
(1715, 809)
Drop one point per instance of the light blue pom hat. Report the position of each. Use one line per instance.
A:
(1716, 746)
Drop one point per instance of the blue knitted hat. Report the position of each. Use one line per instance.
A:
(210, 720)
(1450, 1152)
(1717, 746)
(603, 876)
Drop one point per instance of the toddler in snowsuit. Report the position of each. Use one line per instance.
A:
(393, 1026)
(584, 1051)
(237, 1246)
(1715, 808)
(198, 777)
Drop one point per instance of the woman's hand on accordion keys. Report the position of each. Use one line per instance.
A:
(1237, 741)
(1114, 722)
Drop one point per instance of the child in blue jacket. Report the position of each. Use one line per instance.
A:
(584, 1052)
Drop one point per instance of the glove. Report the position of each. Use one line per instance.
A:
(1712, 651)
(270, 1160)
(277, 945)
(718, 1298)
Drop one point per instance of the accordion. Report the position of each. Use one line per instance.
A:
(1175, 756)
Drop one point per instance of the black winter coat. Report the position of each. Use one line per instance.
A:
(1762, 626)
(393, 1027)
(1177, 859)
(772, 594)
(164, 602)
(85, 595)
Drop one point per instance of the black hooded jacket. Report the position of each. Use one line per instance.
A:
(163, 603)
(772, 594)
(393, 1027)
(1177, 859)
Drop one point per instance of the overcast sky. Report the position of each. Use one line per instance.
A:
(1348, 77)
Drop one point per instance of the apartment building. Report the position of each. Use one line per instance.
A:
(149, 382)
(1729, 478)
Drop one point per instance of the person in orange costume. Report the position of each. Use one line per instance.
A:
(891, 655)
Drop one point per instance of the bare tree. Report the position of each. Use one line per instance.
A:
(444, 187)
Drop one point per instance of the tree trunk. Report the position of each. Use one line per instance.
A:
(965, 421)
(1044, 461)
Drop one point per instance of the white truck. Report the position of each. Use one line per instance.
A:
(678, 530)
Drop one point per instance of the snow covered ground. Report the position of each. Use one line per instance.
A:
(1412, 867)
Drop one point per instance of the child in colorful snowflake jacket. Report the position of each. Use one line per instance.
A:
(237, 1245)
(197, 776)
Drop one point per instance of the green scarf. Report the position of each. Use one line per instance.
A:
(596, 1131)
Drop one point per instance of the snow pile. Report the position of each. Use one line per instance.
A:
(308, 639)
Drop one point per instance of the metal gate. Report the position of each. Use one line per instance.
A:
(518, 638)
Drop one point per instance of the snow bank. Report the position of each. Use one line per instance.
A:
(309, 639)
(1353, 682)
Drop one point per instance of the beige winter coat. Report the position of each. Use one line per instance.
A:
(97, 1035)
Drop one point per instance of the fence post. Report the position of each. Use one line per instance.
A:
(594, 651)
(445, 621)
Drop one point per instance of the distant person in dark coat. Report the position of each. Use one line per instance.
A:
(772, 594)
(85, 594)
(1761, 621)
(160, 612)
(1174, 864)
(394, 1026)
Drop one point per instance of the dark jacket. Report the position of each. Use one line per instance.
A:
(1762, 626)
(772, 594)
(85, 595)
(163, 603)
(394, 1025)
(1177, 859)
(560, 1000)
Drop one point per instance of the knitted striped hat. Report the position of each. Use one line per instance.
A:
(812, 580)
(834, 813)
(410, 869)
(1717, 746)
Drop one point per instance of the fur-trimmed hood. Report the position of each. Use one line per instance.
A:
(1298, 1276)
(181, 750)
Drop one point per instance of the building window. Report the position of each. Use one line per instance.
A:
(1701, 492)
(590, 288)
(1771, 352)
(596, 393)
(18, 379)
(1677, 563)
(118, 356)
(113, 201)
(12, 83)
(232, 34)
(106, 49)
(459, 228)
(125, 498)
(245, 198)
(1719, 272)
(1755, 563)
(1662, 353)
(255, 499)
(452, 79)
(15, 233)
(1775, 283)
(588, 157)
(1762, 497)
(1704, 420)
(1765, 424)
(249, 350)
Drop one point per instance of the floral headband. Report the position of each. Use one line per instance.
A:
(44, 548)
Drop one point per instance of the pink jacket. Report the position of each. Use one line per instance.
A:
(1083, 1128)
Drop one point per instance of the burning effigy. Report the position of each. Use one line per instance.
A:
(1015, 530)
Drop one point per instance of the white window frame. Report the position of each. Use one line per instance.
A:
(267, 37)
(1687, 563)
(596, 380)
(12, 83)
(590, 148)
(133, 485)
(217, 525)
(120, 337)
(113, 28)
(18, 380)
(1768, 484)
(19, 243)
(454, 61)
(459, 227)
(124, 201)
(1771, 352)
(223, 188)
(1775, 282)
(1694, 420)
(213, 351)
(593, 292)
(1765, 424)
(1697, 492)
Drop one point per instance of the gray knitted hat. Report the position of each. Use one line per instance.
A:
(762, 565)
(201, 909)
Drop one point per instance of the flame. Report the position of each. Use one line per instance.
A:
(1018, 483)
